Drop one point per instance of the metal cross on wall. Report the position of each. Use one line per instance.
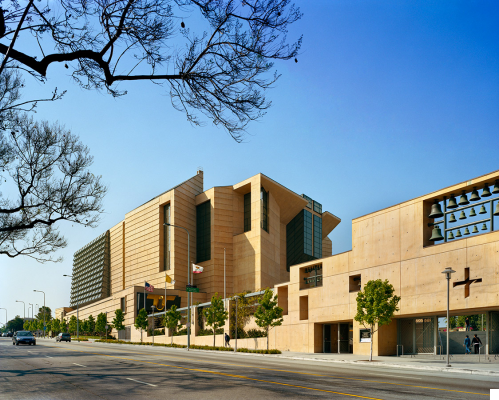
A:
(467, 282)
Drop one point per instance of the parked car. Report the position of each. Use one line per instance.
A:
(23, 337)
(63, 337)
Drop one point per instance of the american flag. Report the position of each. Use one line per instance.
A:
(149, 288)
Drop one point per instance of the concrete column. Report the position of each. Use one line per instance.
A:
(338, 325)
(435, 336)
(487, 332)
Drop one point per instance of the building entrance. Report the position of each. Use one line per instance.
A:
(338, 338)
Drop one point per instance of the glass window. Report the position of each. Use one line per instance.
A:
(317, 236)
(264, 199)
(247, 212)
(317, 207)
(166, 237)
(203, 232)
(307, 231)
(309, 205)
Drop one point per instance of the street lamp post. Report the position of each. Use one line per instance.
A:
(448, 271)
(44, 325)
(20, 301)
(31, 310)
(6, 320)
(77, 311)
(188, 284)
(153, 324)
(235, 345)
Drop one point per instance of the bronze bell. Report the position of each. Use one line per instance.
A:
(436, 234)
(474, 195)
(475, 229)
(463, 201)
(496, 211)
(452, 202)
(482, 210)
(486, 191)
(466, 231)
(436, 210)
(458, 233)
(484, 227)
(452, 218)
(496, 187)
(472, 212)
(462, 215)
(451, 235)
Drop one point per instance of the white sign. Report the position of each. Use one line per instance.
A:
(365, 335)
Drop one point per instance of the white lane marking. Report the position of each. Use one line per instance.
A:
(145, 383)
(49, 357)
(80, 365)
(395, 376)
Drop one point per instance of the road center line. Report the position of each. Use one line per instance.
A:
(80, 365)
(145, 383)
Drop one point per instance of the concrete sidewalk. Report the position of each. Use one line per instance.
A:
(488, 365)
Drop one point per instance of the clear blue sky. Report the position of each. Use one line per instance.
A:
(389, 100)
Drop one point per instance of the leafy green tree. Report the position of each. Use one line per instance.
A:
(84, 326)
(15, 324)
(245, 309)
(100, 324)
(141, 322)
(56, 326)
(268, 314)
(118, 320)
(171, 320)
(72, 324)
(48, 314)
(376, 305)
(91, 324)
(216, 315)
(27, 325)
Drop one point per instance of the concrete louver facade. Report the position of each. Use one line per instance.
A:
(246, 232)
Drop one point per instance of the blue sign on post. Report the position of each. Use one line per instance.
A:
(44, 328)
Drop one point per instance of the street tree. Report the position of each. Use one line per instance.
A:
(56, 326)
(268, 314)
(215, 315)
(91, 324)
(15, 324)
(72, 324)
(27, 325)
(215, 57)
(84, 326)
(100, 324)
(118, 320)
(172, 319)
(44, 311)
(246, 307)
(376, 304)
(46, 169)
(141, 321)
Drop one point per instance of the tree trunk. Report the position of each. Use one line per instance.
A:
(267, 338)
(214, 333)
(172, 337)
(372, 340)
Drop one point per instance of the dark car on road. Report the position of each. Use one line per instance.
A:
(23, 337)
(63, 337)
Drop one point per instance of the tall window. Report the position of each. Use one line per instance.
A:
(317, 236)
(307, 233)
(166, 237)
(264, 200)
(203, 232)
(247, 212)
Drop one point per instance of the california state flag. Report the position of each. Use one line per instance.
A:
(197, 269)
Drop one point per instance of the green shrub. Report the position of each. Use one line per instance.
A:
(256, 333)
(181, 332)
(208, 332)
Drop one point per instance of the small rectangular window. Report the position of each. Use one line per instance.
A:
(303, 308)
(123, 304)
(247, 212)
(354, 283)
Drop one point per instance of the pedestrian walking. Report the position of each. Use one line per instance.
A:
(476, 342)
(467, 343)
(227, 340)
(467, 322)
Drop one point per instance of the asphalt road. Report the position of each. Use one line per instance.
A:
(104, 371)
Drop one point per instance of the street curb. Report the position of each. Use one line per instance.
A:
(363, 363)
